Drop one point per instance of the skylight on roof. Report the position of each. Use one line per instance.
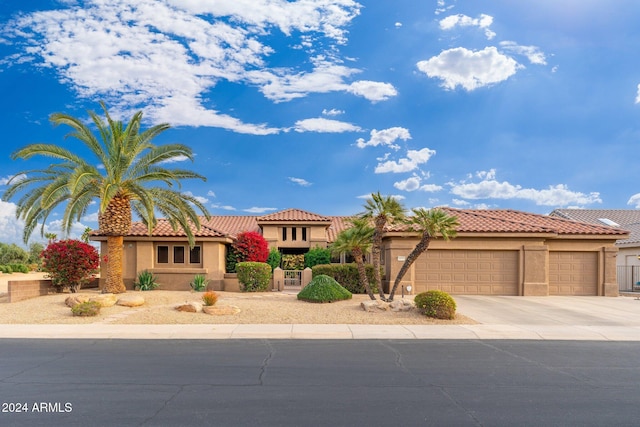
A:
(609, 222)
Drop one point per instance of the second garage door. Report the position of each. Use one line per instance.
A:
(468, 272)
(573, 273)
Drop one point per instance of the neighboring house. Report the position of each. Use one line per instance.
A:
(628, 259)
(497, 252)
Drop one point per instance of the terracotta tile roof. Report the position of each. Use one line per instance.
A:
(293, 215)
(471, 221)
(511, 221)
(163, 229)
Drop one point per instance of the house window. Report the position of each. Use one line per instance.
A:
(163, 254)
(304, 234)
(284, 234)
(194, 255)
(178, 254)
(294, 233)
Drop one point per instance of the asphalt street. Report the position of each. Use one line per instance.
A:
(270, 382)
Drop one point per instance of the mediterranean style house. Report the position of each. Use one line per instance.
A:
(497, 252)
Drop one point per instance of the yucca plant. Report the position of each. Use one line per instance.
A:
(199, 283)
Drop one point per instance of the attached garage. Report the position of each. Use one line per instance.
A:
(479, 272)
(573, 273)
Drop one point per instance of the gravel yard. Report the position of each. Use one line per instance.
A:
(260, 308)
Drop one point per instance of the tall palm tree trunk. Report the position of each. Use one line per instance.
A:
(375, 255)
(420, 248)
(114, 283)
(362, 272)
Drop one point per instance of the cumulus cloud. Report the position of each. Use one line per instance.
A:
(483, 22)
(490, 188)
(223, 207)
(638, 95)
(469, 69)
(321, 124)
(332, 112)
(414, 159)
(634, 201)
(386, 137)
(533, 53)
(373, 91)
(415, 183)
(211, 193)
(168, 55)
(198, 198)
(300, 181)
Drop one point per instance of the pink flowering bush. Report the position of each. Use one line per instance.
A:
(70, 263)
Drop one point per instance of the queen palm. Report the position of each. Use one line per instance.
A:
(383, 210)
(356, 240)
(127, 175)
(430, 223)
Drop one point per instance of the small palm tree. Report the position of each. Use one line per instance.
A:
(429, 223)
(382, 210)
(357, 240)
(126, 180)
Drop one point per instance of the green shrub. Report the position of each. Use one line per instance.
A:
(199, 283)
(6, 269)
(293, 262)
(146, 281)
(437, 304)
(231, 260)
(274, 258)
(209, 298)
(19, 268)
(86, 309)
(317, 256)
(254, 276)
(323, 288)
(347, 276)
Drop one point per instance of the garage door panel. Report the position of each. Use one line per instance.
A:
(573, 273)
(468, 272)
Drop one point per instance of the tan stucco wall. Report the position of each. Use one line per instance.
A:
(316, 236)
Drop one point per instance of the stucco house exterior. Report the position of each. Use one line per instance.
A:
(497, 252)
(628, 259)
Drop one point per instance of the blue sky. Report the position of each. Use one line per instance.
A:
(315, 104)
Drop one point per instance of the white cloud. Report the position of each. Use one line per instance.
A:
(469, 69)
(398, 24)
(332, 112)
(168, 55)
(638, 95)
(257, 210)
(634, 201)
(223, 207)
(411, 162)
(483, 22)
(324, 125)
(300, 181)
(491, 188)
(533, 53)
(373, 91)
(176, 159)
(393, 196)
(211, 193)
(415, 183)
(386, 137)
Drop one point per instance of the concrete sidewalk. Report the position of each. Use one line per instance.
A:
(500, 317)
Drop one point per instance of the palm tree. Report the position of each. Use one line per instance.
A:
(125, 182)
(357, 240)
(429, 223)
(383, 210)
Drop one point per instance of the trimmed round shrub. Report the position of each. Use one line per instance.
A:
(254, 276)
(323, 288)
(436, 304)
(347, 275)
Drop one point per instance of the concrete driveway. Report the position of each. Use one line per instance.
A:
(551, 310)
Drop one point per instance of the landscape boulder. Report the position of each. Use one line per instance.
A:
(105, 300)
(400, 305)
(131, 301)
(190, 307)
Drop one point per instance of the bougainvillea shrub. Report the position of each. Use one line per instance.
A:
(251, 247)
(70, 263)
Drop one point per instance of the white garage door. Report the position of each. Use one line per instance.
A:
(573, 273)
(468, 272)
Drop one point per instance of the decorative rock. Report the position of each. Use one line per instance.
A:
(105, 300)
(131, 301)
(369, 305)
(222, 310)
(190, 307)
(76, 299)
(400, 305)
